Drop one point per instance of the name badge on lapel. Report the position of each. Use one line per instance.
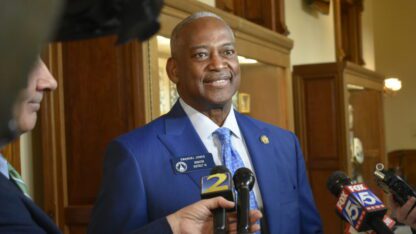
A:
(188, 164)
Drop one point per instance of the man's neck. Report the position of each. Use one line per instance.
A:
(218, 113)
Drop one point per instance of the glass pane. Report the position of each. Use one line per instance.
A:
(364, 130)
(168, 94)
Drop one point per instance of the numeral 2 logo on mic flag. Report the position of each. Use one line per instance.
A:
(215, 183)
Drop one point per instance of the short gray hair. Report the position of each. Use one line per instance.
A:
(178, 28)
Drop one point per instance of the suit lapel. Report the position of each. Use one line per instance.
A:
(266, 165)
(182, 140)
(37, 214)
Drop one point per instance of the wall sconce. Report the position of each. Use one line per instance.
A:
(392, 85)
(244, 60)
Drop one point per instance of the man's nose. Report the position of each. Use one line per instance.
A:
(217, 61)
(46, 82)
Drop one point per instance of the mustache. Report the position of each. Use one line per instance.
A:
(37, 98)
(218, 75)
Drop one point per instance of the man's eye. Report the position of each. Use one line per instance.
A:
(200, 55)
(229, 52)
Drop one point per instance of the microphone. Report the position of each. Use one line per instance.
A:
(386, 219)
(218, 183)
(394, 184)
(357, 204)
(243, 181)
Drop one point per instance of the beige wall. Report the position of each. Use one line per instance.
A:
(31, 165)
(395, 48)
(368, 34)
(208, 2)
(26, 160)
(312, 33)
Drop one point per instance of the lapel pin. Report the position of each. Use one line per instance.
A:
(264, 139)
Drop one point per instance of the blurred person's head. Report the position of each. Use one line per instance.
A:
(40, 80)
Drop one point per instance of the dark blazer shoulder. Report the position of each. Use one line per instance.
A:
(19, 214)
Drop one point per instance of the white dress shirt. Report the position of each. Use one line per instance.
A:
(205, 128)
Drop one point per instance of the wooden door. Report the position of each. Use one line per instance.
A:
(319, 127)
(11, 152)
(100, 96)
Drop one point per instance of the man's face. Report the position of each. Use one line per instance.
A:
(206, 69)
(28, 103)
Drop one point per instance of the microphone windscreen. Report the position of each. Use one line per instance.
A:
(244, 177)
(337, 181)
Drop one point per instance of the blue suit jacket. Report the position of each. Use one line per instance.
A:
(139, 184)
(18, 214)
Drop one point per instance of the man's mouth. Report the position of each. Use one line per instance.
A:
(37, 98)
(34, 106)
(35, 102)
(218, 80)
(218, 83)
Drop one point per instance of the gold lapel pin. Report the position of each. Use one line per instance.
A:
(264, 139)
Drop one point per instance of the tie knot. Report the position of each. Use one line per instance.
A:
(224, 135)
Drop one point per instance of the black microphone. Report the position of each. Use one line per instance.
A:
(243, 181)
(357, 204)
(218, 183)
(394, 184)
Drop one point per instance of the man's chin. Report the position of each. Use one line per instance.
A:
(28, 124)
(220, 104)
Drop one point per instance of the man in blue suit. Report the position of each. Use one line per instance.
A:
(18, 213)
(155, 170)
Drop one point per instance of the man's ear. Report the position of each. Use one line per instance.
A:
(172, 70)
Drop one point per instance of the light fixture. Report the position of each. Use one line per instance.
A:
(163, 45)
(355, 87)
(244, 60)
(162, 40)
(392, 85)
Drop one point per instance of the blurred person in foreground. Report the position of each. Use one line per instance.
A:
(18, 213)
(406, 214)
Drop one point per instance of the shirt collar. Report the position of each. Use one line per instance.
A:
(4, 167)
(204, 126)
(231, 123)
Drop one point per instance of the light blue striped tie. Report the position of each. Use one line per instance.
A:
(231, 158)
(15, 176)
